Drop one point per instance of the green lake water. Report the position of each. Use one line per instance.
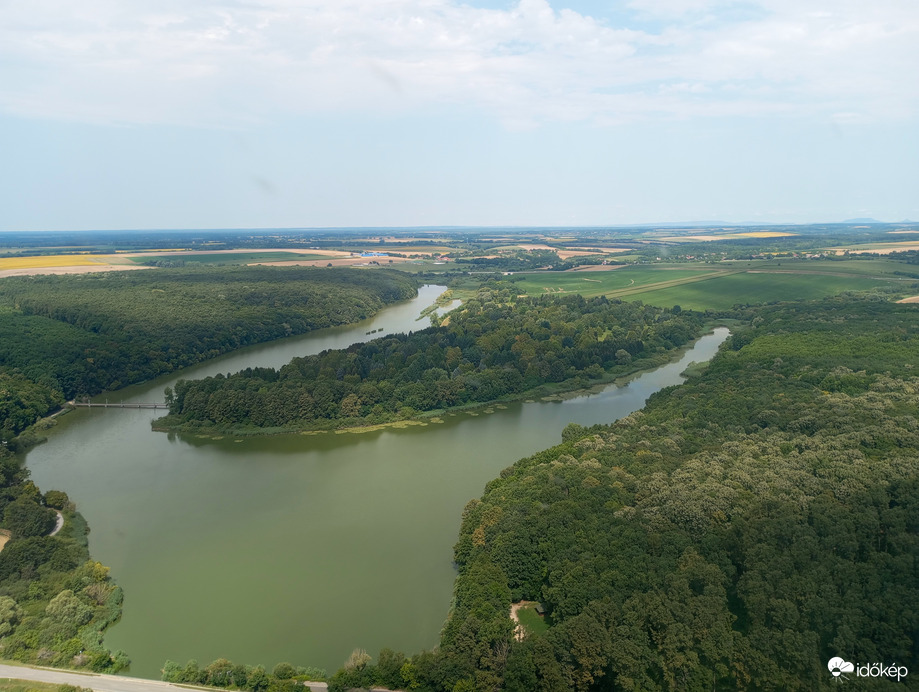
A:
(294, 548)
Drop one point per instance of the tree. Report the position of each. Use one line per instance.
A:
(9, 615)
(257, 680)
(284, 671)
(25, 518)
(68, 612)
(57, 499)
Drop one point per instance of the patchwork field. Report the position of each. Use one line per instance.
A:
(609, 283)
(726, 236)
(701, 287)
(85, 263)
(753, 287)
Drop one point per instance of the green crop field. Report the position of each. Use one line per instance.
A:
(589, 283)
(753, 287)
(866, 267)
(718, 286)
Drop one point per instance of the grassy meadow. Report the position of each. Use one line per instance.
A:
(532, 622)
(8, 685)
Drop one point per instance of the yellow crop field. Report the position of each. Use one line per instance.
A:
(52, 261)
(158, 250)
(726, 236)
(878, 248)
(764, 234)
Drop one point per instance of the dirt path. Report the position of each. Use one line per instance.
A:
(59, 524)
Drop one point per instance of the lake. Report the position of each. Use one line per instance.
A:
(295, 548)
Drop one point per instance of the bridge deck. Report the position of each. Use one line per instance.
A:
(120, 405)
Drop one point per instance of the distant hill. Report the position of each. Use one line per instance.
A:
(862, 220)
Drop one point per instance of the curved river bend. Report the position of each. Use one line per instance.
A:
(295, 548)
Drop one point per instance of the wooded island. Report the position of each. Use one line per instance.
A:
(498, 345)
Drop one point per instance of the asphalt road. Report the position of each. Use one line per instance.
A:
(104, 683)
(98, 683)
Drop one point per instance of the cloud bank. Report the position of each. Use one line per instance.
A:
(226, 63)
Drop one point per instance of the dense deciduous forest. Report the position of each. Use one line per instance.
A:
(68, 336)
(737, 533)
(55, 602)
(497, 345)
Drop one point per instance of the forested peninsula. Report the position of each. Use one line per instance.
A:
(63, 337)
(498, 345)
(737, 533)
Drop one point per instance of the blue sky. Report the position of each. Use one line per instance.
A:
(273, 113)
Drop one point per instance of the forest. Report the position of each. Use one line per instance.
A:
(737, 533)
(497, 345)
(55, 601)
(63, 337)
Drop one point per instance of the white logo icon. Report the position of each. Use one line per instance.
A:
(838, 666)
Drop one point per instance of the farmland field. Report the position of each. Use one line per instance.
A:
(726, 236)
(878, 248)
(751, 287)
(599, 283)
(721, 286)
(866, 267)
(234, 257)
(38, 261)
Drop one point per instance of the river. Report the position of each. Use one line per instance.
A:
(295, 548)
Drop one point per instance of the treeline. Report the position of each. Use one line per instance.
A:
(737, 533)
(524, 260)
(69, 336)
(55, 602)
(519, 260)
(22, 402)
(497, 345)
(227, 675)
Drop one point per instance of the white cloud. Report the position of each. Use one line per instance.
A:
(229, 62)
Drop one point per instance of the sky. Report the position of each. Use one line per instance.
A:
(328, 113)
